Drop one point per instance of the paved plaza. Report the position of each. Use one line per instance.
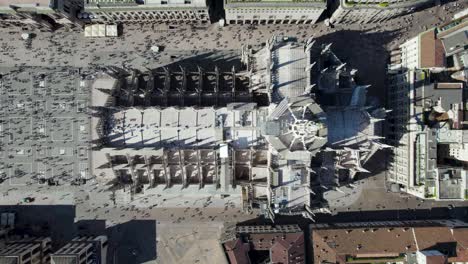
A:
(44, 126)
(45, 122)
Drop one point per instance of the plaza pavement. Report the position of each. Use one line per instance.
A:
(188, 231)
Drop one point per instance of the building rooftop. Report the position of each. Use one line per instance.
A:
(434, 257)
(283, 247)
(158, 3)
(289, 77)
(64, 259)
(272, 3)
(9, 260)
(150, 127)
(454, 37)
(336, 245)
(269, 1)
(456, 41)
(382, 4)
(432, 51)
(452, 26)
(451, 184)
(348, 126)
(443, 94)
(79, 249)
(156, 118)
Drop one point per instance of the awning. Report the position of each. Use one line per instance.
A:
(100, 30)
(111, 30)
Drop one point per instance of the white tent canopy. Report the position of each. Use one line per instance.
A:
(100, 30)
(111, 30)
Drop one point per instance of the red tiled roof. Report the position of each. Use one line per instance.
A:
(237, 252)
(375, 241)
(461, 236)
(333, 245)
(284, 247)
(431, 52)
(288, 250)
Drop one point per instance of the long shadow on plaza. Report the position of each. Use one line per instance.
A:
(366, 52)
(130, 242)
(56, 221)
(207, 60)
(460, 213)
(225, 60)
(216, 10)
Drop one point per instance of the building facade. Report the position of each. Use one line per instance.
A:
(427, 134)
(82, 250)
(26, 251)
(44, 14)
(169, 11)
(373, 11)
(273, 12)
(427, 126)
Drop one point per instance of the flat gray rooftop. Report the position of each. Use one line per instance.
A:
(181, 128)
(456, 41)
(170, 126)
(290, 77)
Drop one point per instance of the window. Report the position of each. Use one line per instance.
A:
(188, 2)
(26, 256)
(35, 250)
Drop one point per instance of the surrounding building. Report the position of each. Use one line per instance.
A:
(427, 84)
(145, 11)
(424, 51)
(266, 244)
(412, 242)
(437, 49)
(260, 133)
(21, 245)
(33, 250)
(7, 223)
(43, 14)
(273, 11)
(82, 250)
(373, 11)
